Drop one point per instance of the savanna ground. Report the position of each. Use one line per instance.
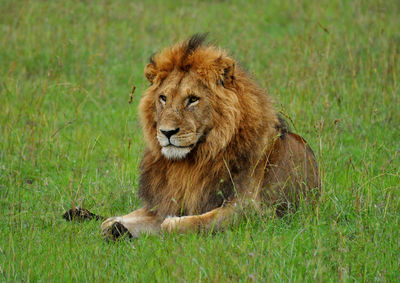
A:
(68, 136)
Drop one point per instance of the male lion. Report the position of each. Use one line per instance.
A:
(214, 144)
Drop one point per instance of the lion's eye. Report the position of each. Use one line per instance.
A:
(163, 99)
(192, 99)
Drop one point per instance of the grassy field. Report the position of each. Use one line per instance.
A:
(68, 136)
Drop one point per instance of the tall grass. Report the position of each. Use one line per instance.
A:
(68, 136)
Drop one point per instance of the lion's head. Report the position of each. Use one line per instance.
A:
(192, 99)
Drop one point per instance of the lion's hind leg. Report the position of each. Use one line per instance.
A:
(133, 224)
(291, 175)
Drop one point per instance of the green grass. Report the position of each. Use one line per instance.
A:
(69, 137)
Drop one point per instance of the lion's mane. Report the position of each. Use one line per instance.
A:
(245, 124)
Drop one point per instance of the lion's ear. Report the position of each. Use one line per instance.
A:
(227, 70)
(150, 72)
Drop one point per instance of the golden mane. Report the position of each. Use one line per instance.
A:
(240, 100)
(244, 123)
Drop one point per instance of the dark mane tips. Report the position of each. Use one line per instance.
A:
(282, 127)
(194, 42)
(151, 58)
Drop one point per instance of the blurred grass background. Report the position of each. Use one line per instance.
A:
(68, 136)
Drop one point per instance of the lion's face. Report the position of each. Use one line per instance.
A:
(191, 100)
(182, 112)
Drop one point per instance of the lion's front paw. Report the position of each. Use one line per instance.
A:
(112, 229)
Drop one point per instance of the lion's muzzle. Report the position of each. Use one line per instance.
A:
(175, 143)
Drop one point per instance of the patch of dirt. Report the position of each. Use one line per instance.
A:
(80, 214)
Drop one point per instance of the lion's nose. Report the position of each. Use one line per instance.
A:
(169, 133)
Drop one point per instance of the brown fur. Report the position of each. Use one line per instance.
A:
(239, 148)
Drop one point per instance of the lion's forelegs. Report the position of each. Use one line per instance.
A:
(213, 220)
(137, 222)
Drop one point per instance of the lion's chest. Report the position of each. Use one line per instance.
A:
(181, 189)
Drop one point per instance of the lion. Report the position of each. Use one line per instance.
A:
(214, 146)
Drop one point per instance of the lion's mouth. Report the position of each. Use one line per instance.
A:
(179, 146)
(174, 152)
